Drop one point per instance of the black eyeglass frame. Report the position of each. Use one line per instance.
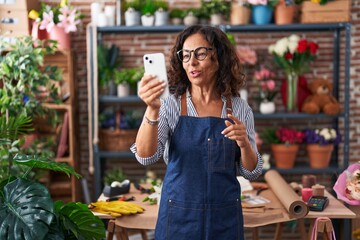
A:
(195, 54)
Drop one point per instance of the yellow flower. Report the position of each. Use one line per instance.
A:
(33, 15)
(63, 3)
(315, 1)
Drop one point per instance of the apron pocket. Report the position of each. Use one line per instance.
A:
(185, 220)
(221, 154)
(226, 221)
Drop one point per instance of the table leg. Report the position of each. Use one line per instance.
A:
(302, 228)
(255, 233)
(312, 221)
(110, 230)
(143, 234)
(278, 232)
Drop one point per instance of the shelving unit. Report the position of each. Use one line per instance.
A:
(340, 31)
(60, 185)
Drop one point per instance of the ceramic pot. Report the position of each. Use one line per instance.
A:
(147, 20)
(123, 90)
(284, 155)
(239, 14)
(63, 38)
(261, 14)
(176, 21)
(267, 107)
(216, 19)
(132, 17)
(284, 14)
(190, 19)
(161, 18)
(319, 155)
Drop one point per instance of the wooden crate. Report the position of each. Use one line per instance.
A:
(27, 5)
(333, 11)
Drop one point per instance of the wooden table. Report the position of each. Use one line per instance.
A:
(147, 219)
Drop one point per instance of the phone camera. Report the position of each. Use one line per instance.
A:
(146, 58)
(150, 61)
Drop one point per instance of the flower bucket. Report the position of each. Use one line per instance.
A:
(62, 37)
(261, 14)
(319, 155)
(284, 14)
(284, 155)
(239, 14)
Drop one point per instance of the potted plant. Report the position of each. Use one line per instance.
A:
(320, 144)
(240, 12)
(176, 15)
(262, 10)
(285, 11)
(127, 79)
(264, 80)
(148, 13)
(161, 13)
(26, 208)
(132, 13)
(191, 16)
(284, 145)
(108, 62)
(219, 10)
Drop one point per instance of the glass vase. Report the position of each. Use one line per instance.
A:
(292, 91)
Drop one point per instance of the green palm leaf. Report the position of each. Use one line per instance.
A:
(13, 127)
(26, 211)
(44, 163)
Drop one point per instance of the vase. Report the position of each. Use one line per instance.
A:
(292, 91)
(284, 155)
(161, 18)
(267, 107)
(132, 17)
(284, 14)
(63, 38)
(123, 90)
(319, 155)
(240, 14)
(147, 20)
(216, 19)
(261, 14)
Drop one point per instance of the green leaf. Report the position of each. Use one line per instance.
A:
(78, 220)
(44, 163)
(27, 210)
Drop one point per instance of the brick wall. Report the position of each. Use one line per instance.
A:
(134, 46)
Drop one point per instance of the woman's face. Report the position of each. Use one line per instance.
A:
(199, 72)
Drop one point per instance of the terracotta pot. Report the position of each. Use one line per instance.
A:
(63, 38)
(284, 14)
(239, 14)
(284, 155)
(319, 155)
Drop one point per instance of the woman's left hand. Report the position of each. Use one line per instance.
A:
(236, 131)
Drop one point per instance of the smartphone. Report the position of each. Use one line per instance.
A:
(154, 63)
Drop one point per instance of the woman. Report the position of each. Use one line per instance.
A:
(209, 133)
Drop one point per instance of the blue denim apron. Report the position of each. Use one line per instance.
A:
(200, 197)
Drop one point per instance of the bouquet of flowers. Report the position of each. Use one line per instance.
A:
(322, 136)
(266, 84)
(347, 186)
(294, 55)
(282, 136)
(62, 15)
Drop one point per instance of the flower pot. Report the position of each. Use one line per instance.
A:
(267, 107)
(132, 17)
(63, 38)
(190, 19)
(216, 19)
(319, 155)
(261, 14)
(239, 14)
(176, 21)
(38, 33)
(284, 14)
(284, 155)
(147, 20)
(123, 90)
(161, 18)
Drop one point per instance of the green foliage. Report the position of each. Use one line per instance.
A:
(24, 77)
(135, 4)
(148, 8)
(26, 208)
(269, 136)
(129, 75)
(217, 6)
(177, 13)
(108, 62)
(161, 5)
(115, 174)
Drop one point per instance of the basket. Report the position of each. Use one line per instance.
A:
(117, 140)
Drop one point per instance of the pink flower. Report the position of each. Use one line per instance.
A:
(270, 85)
(246, 55)
(48, 21)
(67, 19)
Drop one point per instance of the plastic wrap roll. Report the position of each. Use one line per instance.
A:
(286, 195)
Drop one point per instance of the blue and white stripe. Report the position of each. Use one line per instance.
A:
(169, 117)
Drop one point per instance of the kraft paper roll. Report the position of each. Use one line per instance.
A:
(288, 198)
(296, 187)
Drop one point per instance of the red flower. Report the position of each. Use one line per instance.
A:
(302, 46)
(313, 47)
(288, 55)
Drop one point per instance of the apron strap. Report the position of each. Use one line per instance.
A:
(184, 107)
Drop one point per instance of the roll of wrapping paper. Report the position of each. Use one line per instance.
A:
(296, 187)
(288, 198)
(318, 190)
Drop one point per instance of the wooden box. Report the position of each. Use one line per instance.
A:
(333, 11)
(27, 5)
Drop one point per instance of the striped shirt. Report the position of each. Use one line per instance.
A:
(169, 116)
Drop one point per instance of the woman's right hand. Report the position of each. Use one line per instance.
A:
(150, 89)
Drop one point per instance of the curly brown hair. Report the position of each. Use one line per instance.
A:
(229, 76)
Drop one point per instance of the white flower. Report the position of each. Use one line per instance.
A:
(294, 38)
(292, 46)
(281, 46)
(157, 194)
(271, 48)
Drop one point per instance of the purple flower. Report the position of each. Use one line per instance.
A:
(322, 136)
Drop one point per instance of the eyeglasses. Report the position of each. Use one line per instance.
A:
(200, 54)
